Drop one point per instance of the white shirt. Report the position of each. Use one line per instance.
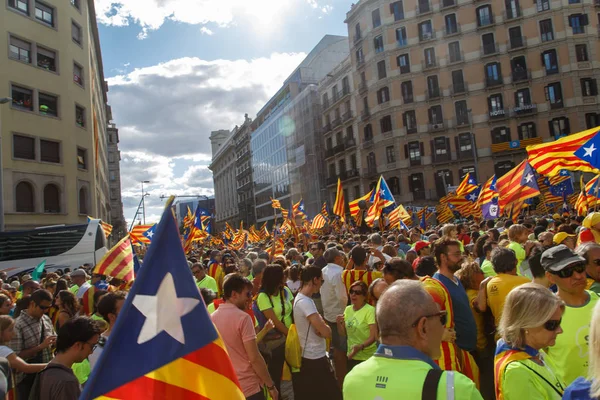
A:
(82, 289)
(333, 292)
(313, 346)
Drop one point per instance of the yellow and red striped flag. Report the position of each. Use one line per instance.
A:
(275, 203)
(137, 234)
(399, 214)
(106, 227)
(118, 261)
(581, 205)
(517, 185)
(467, 185)
(353, 205)
(318, 222)
(340, 203)
(324, 210)
(444, 214)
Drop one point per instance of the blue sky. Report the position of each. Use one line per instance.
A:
(178, 69)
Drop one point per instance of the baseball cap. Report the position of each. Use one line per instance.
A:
(559, 257)
(420, 245)
(560, 237)
(25, 278)
(78, 272)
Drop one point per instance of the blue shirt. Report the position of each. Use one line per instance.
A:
(578, 390)
(464, 322)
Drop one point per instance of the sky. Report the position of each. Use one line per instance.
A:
(179, 69)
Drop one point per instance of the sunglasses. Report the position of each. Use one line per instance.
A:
(357, 292)
(568, 272)
(552, 324)
(43, 307)
(442, 314)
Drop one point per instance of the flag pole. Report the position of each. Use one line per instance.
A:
(597, 189)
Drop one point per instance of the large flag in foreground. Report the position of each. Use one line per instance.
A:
(518, 184)
(164, 345)
(578, 152)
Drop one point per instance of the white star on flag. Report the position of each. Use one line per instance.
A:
(163, 311)
(150, 234)
(472, 197)
(589, 150)
(528, 178)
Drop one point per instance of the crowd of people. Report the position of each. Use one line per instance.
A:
(492, 309)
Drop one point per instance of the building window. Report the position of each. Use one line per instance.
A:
(513, 10)
(83, 201)
(462, 112)
(48, 104)
(429, 56)
(447, 3)
(386, 124)
(46, 59)
(489, 45)
(441, 146)
(554, 95)
(76, 4)
(592, 120)
(368, 132)
(550, 61)
(435, 116)
(378, 44)
(401, 38)
(381, 73)
(433, 88)
(527, 131)
(581, 52)
(23, 147)
(81, 158)
(51, 199)
(22, 98)
(454, 52)
(451, 25)
(465, 144)
(394, 184)
(423, 6)
(345, 86)
(543, 5)
(371, 162)
(403, 63)
(503, 167)
(397, 10)
(76, 33)
(49, 151)
(376, 17)
(390, 154)
(546, 30)
(20, 50)
(78, 74)
(357, 32)
(559, 127)
(407, 91)
(44, 13)
(500, 135)
(24, 197)
(458, 82)
(516, 40)
(484, 16)
(409, 118)
(19, 5)
(360, 58)
(493, 74)
(383, 95)
(523, 101)
(425, 31)
(417, 185)
(365, 105)
(496, 106)
(588, 87)
(414, 152)
(578, 22)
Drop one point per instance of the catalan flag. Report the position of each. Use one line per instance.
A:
(298, 209)
(340, 204)
(188, 220)
(106, 227)
(399, 214)
(276, 204)
(164, 345)
(581, 205)
(318, 222)
(137, 234)
(118, 261)
(467, 185)
(277, 247)
(324, 212)
(575, 152)
(518, 184)
(444, 214)
(353, 205)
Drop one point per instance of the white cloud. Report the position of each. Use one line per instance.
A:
(151, 14)
(204, 30)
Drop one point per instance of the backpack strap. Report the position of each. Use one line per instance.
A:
(430, 386)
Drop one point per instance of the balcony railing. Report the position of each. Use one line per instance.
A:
(524, 110)
(336, 122)
(362, 87)
(556, 105)
(490, 49)
(522, 75)
(418, 194)
(335, 96)
(367, 143)
(454, 58)
(485, 22)
(331, 180)
(425, 36)
(327, 127)
(350, 142)
(458, 89)
(343, 175)
(490, 83)
(357, 38)
(498, 114)
(513, 14)
(347, 116)
(409, 98)
(370, 172)
(437, 126)
(415, 161)
(339, 148)
(515, 145)
(423, 7)
(434, 94)
(450, 30)
(516, 43)
(441, 157)
(597, 3)
(365, 115)
(329, 152)
(430, 64)
(447, 3)
(360, 62)
(352, 173)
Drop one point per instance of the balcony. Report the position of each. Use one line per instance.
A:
(339, 148)
(326, 127)
(441, 155)
(515, 145)
(423, 7)
(370, 172)
(485, 22)
(357, 39)
(454, 58)
(362, 87)
(459, 122)
(326, 104)
(511, 14)
(365, 115)
(352, 173)
(335, 97)
(367, 143)
(410, 131)
(491, 83)
(360, 62)
(489, 49)
(408, 99)
(524, 110)
(390, 165)
(415, 161)
(331, 180)
(451, 30)
(437, 126)
(329, 152)
(418, 195)
(433, 95)
(447, 4)
(516, 43)
(349, 142)
(403, 42)
(426, 36)
(498, 114)
(336, 122)
(347, 116)
(557, 105)
(458, 89)
(522, 75)
(431, 64)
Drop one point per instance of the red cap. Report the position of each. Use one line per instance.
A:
(420, 245)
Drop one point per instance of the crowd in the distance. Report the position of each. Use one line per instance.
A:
(497, 309)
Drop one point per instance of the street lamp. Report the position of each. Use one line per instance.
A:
(3, 100)
(144, 201)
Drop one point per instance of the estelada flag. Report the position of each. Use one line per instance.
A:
(164, 345)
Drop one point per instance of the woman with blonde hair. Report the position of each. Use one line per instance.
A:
(530, 322)
(589, 389)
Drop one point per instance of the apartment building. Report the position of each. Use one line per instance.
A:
(54, 131)
(446, 87)
(114, 176)
(223, 167)
(243, 172)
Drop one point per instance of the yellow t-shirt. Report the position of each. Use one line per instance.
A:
(479, 321)
(498, 288)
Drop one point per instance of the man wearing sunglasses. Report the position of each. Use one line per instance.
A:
(403, 366)
(591, 252)
(567, 271)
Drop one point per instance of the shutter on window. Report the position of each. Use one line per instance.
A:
(567, 126)
(406, 155)
(546, 93)
(594, 86)
(422, 149)
(571, 20)
(448, 148)
(584, 20)
(432, 150)
(457, 145)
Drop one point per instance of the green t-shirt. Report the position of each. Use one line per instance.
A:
(488, 268)
(520, 253)
(521, 382)
(595, 288)
(97, 317)
(210, 308)
(275, 303)
(209, 283)
(82, 371)
(357, 329)
(570, 354)
(73, 289)
(389, 378)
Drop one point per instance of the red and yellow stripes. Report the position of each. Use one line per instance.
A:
(510, 189)
(350, 276)
(340, 203)
(205, 374)
(501, 361)
(318, 222)
(118, 262)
